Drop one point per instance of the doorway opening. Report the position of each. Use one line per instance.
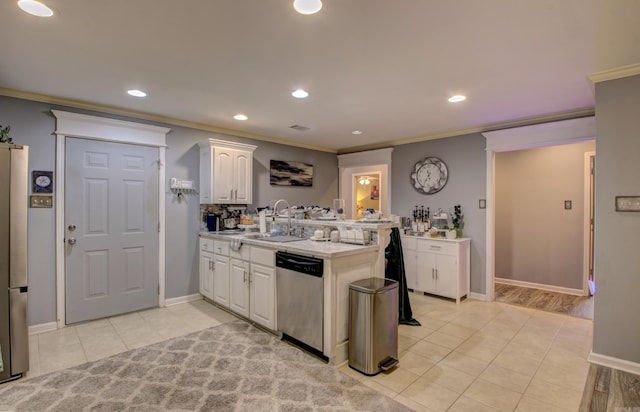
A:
(367, 196)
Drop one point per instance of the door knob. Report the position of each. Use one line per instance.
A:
(72, 241)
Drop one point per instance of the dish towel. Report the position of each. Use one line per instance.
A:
(236, 242)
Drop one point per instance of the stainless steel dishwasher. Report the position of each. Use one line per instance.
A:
(300, 293)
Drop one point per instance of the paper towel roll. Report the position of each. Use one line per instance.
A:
(263, 222)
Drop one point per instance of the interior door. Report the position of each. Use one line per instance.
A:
(111, 229)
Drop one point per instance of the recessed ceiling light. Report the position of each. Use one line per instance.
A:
(307, 6)
(457, 98)
(300, 94)
(136, 93)
(240, 116)
(357, 132)
(35, 8)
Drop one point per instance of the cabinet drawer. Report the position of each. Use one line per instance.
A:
(266, 257)
(243, 253)
(434, 246)
(221, 247)
(409, 243)
(206, 244)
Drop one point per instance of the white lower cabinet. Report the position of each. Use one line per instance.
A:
(221, 279)
(243, 281)
(206, 267)
(439, 267)
(206, 274)
(239, 278)
(262, 292)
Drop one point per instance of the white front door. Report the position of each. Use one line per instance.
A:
(111, 228)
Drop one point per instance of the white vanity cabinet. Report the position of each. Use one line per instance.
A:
(226, 172)
(437, 266)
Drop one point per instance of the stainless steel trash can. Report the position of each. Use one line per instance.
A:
(373, 325)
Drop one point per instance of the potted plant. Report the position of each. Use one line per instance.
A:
(457, 220)
(4, 134)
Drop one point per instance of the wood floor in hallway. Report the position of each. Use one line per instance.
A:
(581, 306)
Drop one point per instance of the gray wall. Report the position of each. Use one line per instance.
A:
(32, 124)
(617, 274)
(465, 158)
(537, 240)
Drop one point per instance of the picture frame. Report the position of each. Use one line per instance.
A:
(41, 181)
(290, 173)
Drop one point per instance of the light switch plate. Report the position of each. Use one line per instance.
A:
(627, 203)
(40, 201)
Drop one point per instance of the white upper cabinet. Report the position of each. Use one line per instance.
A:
(226, 172)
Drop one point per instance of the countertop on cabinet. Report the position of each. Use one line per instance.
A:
(441, 239)
(308, 247)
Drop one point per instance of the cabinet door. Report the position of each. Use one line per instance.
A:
(223, 175)
(243, 177)
(221, 280)
(411, 268)
(206, 274)
(446, 276)
(206, 182)
(426, 272)
(239, 287)
(262, 290)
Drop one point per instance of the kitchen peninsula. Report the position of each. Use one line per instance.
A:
(238, 272)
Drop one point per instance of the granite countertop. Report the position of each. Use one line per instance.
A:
(321, 249)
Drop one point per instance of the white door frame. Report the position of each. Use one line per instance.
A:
(520, 138)
(110, 130)
(362, 163)
(588, 196)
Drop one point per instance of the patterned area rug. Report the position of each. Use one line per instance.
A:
(231, 367)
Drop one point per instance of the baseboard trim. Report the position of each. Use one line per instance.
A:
(550, 288)
(477, 296)
(615, 363)
(42, 328)
(182, 299)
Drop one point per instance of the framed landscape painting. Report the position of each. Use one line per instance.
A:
(284, 173)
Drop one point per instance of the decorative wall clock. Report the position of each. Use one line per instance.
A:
(429, 175)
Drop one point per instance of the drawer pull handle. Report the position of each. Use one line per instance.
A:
(435, 247)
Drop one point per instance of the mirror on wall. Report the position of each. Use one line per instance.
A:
(367, 193)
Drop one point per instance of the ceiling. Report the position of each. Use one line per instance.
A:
(379, 66)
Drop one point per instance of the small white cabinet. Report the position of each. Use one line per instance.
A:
(262, 288)
(206, 268)
(437, 266)
(226, 172)
(221, 272)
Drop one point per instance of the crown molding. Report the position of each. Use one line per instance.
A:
(489, 128)
(77, 104)
(617, 73)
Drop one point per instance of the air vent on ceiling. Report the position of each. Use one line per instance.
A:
(299, 128)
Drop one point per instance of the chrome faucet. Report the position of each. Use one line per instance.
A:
(275, 214)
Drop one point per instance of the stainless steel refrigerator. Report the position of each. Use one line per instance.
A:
(14, 337)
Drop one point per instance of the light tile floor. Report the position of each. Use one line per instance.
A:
(480, 356)
(475, 356)
(74, 345)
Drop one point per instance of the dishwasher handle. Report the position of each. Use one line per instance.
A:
(298, 263)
